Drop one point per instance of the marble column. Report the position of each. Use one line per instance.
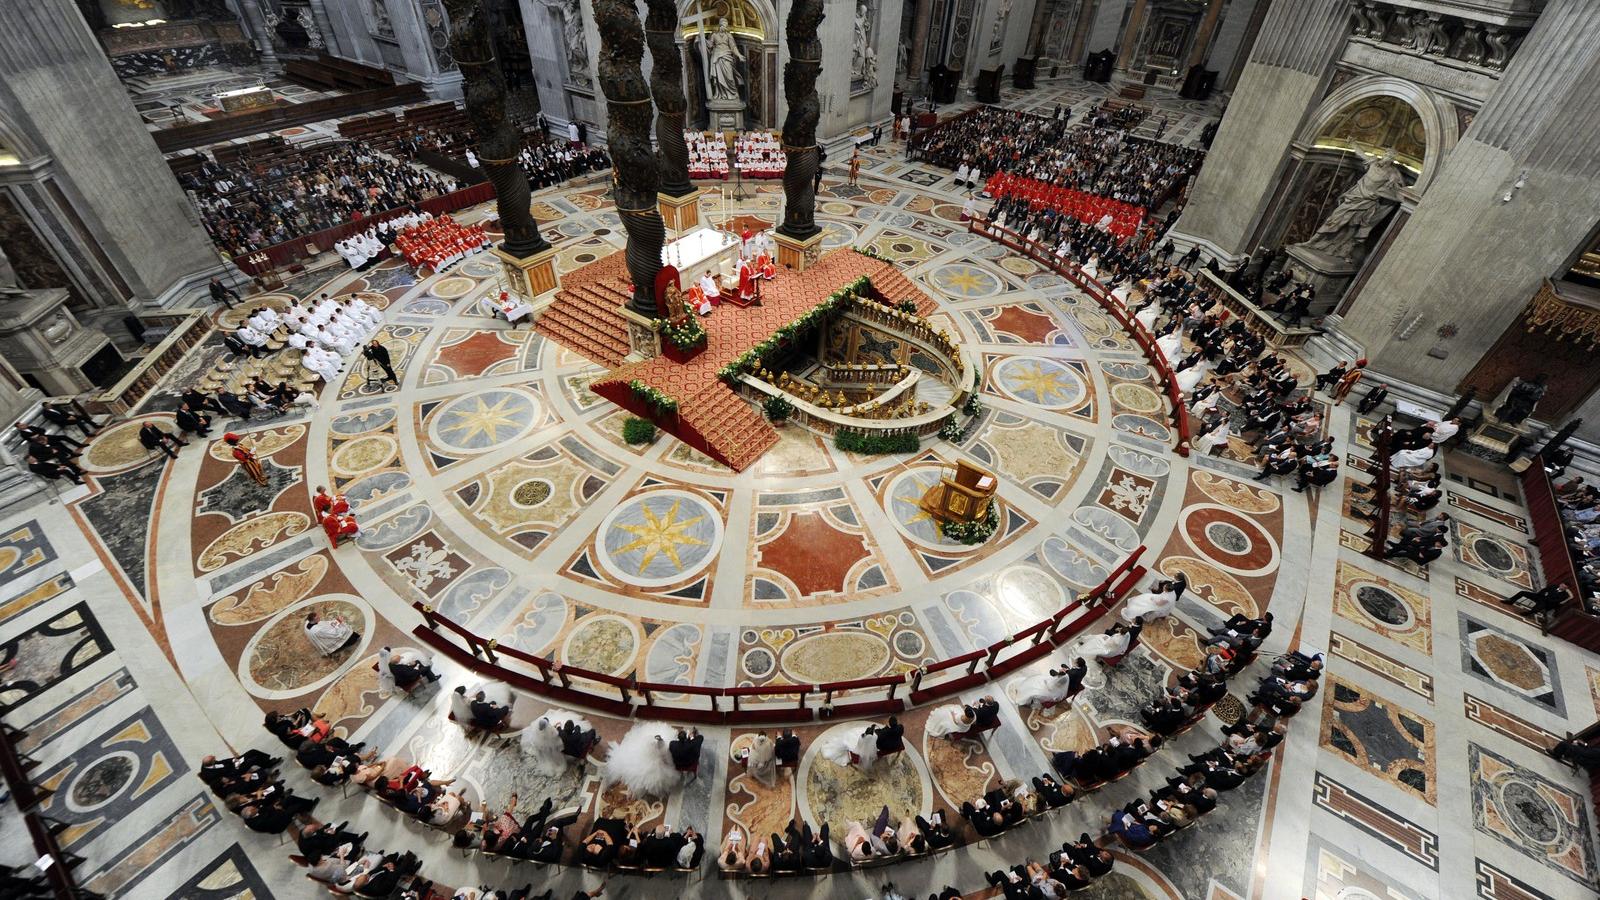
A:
(1130, 35)
(1105, 26)
(1043, 10)
(917, 62)
(256, 21)
(1471, 258)
(1288, 67)
(94, 158)
(1078, 47)
(1231, 40)
(1204, 33)
(541, 26)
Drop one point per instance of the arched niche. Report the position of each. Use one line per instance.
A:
(757, 27)
(1371, 104)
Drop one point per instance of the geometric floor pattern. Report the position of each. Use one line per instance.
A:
(158, 618)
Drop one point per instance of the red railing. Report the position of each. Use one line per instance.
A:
(42, 831)
(773, 703)
(1573, 621)
(1141, 335)
(279, 255)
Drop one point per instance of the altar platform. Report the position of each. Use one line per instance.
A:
(710, 416)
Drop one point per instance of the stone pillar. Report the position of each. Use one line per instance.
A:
(917, 61)
(1284, 78)
(331, 43)
(1077, 47)
(629, 113)
(1231, 42)
(256, 21)
(1203, 35)
(1471, 258)
(92, 157)
(542, 26)
(1103, 28)
(1043, 10)
(1130, 35)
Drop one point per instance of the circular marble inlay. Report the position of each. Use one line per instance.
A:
(280, 662)
(835, 656)
(478, 268)
(1228, 536)
(839, 795)
(532, 492)
(909, 644)
(904, 499)
(1041, 382)
(118, 447)
(1530, 813)
(758, 662)
(1137, 397)
(962, 279)
(452, 288)
(484, 420)
(1494, 554)
(660, 537)
(1030, 592)
(364, 454)
(1228, 539)
(1383, 605)
(601, 643)
(104, 779)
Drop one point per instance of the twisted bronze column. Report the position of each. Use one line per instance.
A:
(633, 165)
(666, 86)
(483, 88)
(800, 126)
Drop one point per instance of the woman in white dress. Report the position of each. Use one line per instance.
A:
(1171, 346)
(861, 751)
(1091, 269)
(1044, 690)
(460, 706)
(1104, 646)
(1154, 604)
(1190, 378)
(1147, 316)
(640, 761)
(948, 720)
(542, 740)
(1215, 440)
(1407, 459)
(1208, 403)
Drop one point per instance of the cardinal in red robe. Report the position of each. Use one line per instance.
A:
(340, 527)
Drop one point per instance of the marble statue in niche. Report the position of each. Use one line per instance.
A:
(1361, 208)
(575, 41)
(378, 11)
(723, 59)
(863, 59)
(997, 31)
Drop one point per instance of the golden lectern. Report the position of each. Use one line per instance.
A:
(964, 498)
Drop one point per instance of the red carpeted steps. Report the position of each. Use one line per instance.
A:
(730, 428)
(584, 319)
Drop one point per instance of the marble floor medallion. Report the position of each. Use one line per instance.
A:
(1545, 822)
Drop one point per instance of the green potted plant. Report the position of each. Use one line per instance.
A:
(637, 431)
(778, 409)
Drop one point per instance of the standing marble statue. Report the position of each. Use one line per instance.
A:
(862, 44)
(577, 43)
(1520, 399)
(8, 276)
(1360, 210)
(723, 59)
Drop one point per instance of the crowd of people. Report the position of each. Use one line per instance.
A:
(546, 162)
(708, 155)
(1579, 504)
(439, 243)
(248, 209)
(1099, 156)
(54, 455)
(759, 154)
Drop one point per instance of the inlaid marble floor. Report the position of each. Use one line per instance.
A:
(157, 613)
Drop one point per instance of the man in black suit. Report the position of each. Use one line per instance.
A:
(815, 850)
(936, 831)
(61, 415)
(487, 714)
(192, 421)
(1075, 675)
(786, 749)
(222, 293)
(891, 737)
(154, 438)
(685, 752)
(379, 354)
(985, 714)
(1051, 791)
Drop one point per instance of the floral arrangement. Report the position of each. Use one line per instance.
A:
(973, 406)
(869, 252)
(953, 432)
(907, 306)
(811, 317)
(686, 335)
(656, 400)
(974, 532)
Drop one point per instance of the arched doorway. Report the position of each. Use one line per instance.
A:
(754, 27)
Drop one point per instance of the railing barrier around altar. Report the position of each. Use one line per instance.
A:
(773, 703)
(264, 259)
(1141, 335)
(1573, 622)
(185, 329)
